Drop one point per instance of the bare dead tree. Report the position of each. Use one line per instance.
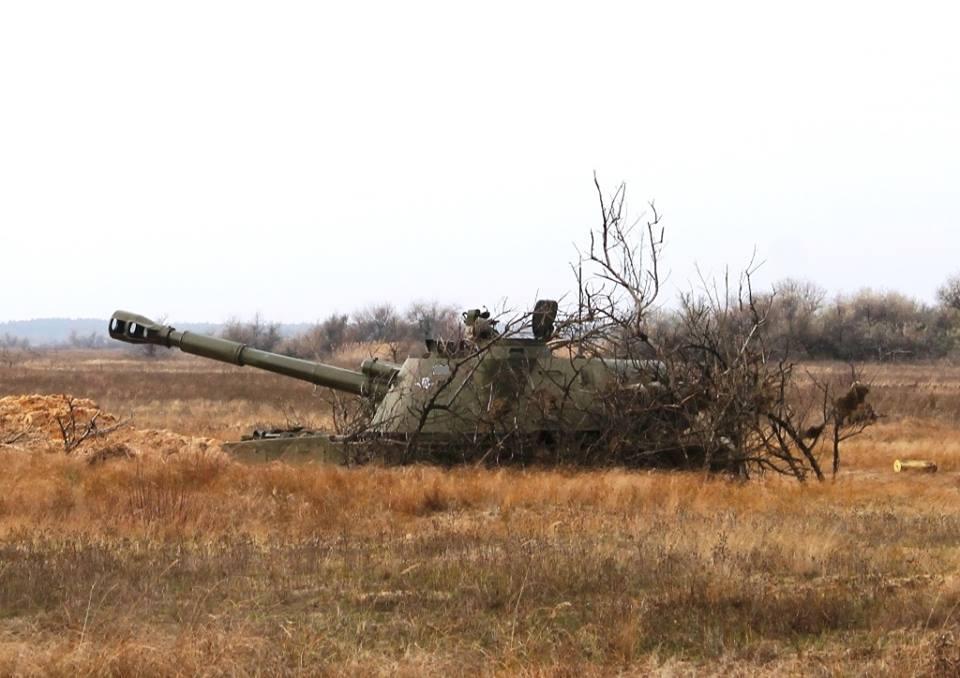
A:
(948, 294)
(723, 402)
(74, 432)
(618, 278)
(756, 412)
(14, 350)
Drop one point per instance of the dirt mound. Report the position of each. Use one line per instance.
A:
(43, 421)
(40, 413)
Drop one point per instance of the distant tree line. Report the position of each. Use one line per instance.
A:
(379, 323)
(866, 325)
(803, 322)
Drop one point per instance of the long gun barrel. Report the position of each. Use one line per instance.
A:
(372, 381)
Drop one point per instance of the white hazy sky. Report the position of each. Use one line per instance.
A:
(209, 159)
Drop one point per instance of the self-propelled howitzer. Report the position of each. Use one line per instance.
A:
(486, 386)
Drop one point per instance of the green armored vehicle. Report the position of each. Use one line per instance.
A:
(485, 387)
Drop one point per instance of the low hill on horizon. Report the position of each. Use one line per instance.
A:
(92, 332)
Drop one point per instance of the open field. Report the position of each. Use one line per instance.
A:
(189, 563)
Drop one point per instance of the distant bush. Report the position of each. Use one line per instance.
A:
(794, 320)
(882, 326)
(433, 319)
(322, 339)
(949, 293)
(13, 349)
(255, 332)
(92, 340)
(379, 323)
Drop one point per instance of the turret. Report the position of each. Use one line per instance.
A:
(372, 380)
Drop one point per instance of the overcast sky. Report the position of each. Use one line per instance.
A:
(205, 160)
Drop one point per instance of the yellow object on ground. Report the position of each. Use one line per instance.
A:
(914, 465)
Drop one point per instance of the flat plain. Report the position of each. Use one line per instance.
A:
(162, 557)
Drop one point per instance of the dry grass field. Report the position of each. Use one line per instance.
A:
(181, 561)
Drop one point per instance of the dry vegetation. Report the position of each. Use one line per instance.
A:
(183, 562)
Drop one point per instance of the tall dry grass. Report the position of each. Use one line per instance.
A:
(198, 562)
(194, 564)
